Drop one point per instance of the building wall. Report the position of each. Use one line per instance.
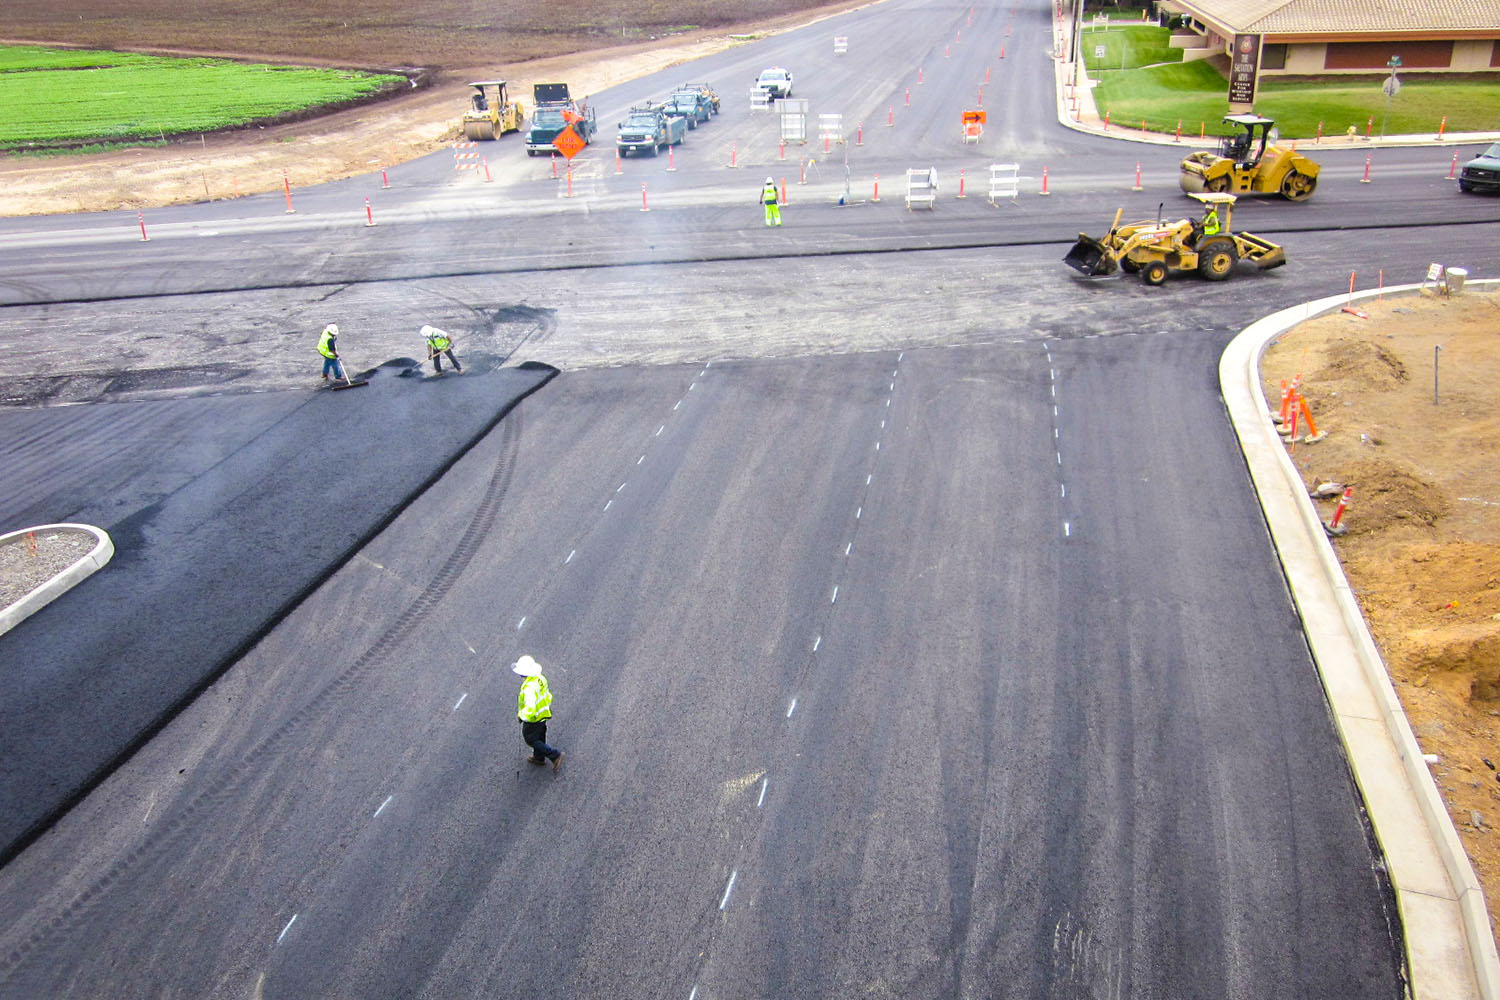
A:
(1344, 58)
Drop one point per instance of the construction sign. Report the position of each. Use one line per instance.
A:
(568, 142)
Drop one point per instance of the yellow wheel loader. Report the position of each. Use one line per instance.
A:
(492, 113)
(1156, 248)
(1248, 163)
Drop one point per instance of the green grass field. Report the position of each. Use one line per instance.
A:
(1127, 46)
(1195, 93)
(60, 97)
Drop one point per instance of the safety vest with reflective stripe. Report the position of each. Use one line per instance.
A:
(1211, 223)
(768, 195)
(325, 345)
(534, 704)
(437, 341)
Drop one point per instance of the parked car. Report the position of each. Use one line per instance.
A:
(1483, 172)
(775, 81)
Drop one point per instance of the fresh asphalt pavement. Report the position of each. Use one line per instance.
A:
(943, 655)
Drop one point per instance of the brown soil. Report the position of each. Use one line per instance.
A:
(358, 140)
(1423, 547)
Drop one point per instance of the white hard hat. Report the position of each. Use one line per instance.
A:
(426, 330)
(526, 666)
(770, 181)
(333, 328)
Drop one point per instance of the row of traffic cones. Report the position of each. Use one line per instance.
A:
(1294, 409)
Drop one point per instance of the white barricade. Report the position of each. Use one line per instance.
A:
(463, 159)
(760, 100)
(831, 127)
(793, 112)
(1005, 181)
(840, 45)
(921, 188)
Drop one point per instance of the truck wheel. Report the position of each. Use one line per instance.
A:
(1154, 272)
(655, 150)
(1297, 186)
(1464, 186)
(1216, 259)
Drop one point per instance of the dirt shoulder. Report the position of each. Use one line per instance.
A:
(1423, 545)
(355, 141)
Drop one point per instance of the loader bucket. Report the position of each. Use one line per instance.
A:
(1260, 251)
(1089, 257)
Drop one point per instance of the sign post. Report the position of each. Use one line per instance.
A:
(1244, 64)
(1391, 87)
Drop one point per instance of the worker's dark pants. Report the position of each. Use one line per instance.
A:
(534, 734)
(437, 360)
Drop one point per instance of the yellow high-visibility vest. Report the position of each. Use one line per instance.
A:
(1211, 223)
(325, 344)
(534, 703)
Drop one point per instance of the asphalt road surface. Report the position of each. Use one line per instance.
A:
(913, 627)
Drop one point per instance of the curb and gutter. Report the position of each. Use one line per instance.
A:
(69, 578)
(1450, 946)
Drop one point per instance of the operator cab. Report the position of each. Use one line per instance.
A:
(1249, 146)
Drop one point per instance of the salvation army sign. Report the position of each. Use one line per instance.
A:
(1244, 61)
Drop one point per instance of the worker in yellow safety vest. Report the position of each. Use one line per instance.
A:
(328, 347)
(533, 709)
(1211, 221)
(438, 344)
(772, 201)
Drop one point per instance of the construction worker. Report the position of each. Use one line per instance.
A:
(438, 344)
(533, 709)
(1211, 221)
(772, 201)
(329, 349)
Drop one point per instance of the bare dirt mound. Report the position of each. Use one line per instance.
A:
(1408, 400)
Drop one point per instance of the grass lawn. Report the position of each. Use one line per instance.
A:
(1195, 93)
(1130, 46)
(58, 97)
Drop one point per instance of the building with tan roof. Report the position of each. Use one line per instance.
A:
(1317, 37)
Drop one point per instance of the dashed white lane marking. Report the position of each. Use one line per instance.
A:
(288, 927)
(729, 888)
(693, 995)
(859, 511)
(847, 547)
(868, 478)
(763, 783)
(382, 806)
(791, 708)
(835, 598)
(521, 624)
(678, 404)
(571, 554)
(620, 487)
(1067, 530)
(659, 430)
(640, 460)
(608, 504)
(1064, 488)
(461, 699)
(817, 642)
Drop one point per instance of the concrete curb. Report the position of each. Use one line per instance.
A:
(1449, 942)
(60, 584)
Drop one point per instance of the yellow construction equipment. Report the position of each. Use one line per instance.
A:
(492, 113)
(1248, 163)
(1155, 248)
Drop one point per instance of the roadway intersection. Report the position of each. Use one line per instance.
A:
(913, 625)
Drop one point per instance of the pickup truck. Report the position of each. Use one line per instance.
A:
(649, 128)
(690, 104)
(555, 110)
(776, 81)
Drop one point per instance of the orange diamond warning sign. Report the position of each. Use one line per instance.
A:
(568, 142)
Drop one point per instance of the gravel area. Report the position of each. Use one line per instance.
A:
(25, 567)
